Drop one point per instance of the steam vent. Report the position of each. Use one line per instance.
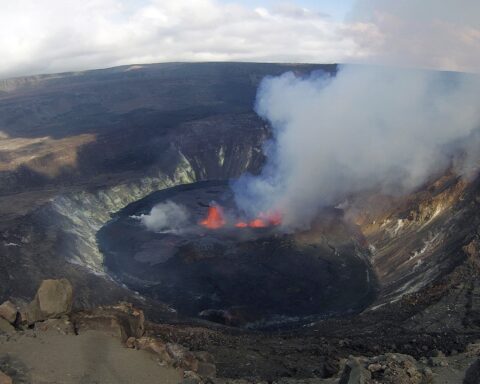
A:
(240, 223)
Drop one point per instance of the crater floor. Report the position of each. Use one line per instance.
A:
(238, 276)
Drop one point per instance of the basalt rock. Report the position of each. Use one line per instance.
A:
(472, 376)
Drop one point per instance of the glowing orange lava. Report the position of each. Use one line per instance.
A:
(276, 220)
(214, 219)
(272, 218)
(257, 223)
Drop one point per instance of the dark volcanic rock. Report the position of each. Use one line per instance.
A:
(472, 375)
(260, 278)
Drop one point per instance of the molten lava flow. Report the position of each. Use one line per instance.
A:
(214, 219)
(276, 219)
(262, 221)
(257, 223)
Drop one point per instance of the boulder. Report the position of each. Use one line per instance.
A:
(6, 327)
(122, 321)
(5, 379)
(9, 312)
(54, 299)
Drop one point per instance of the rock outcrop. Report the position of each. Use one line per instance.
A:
(122, 321)
(54, 299)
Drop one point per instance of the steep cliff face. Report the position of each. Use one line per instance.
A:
(232, 146)
(95, 124)
(77, 216)
(416, 239)
(412, 241)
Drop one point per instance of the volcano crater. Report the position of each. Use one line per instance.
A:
(258, 278)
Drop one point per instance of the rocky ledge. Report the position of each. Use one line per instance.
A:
(50, 313)
(121, 332)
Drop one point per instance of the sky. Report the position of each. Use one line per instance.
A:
(51, 36)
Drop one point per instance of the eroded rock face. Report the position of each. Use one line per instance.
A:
(122, 321)
(54, 298)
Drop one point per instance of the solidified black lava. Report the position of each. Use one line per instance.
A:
(237, 276)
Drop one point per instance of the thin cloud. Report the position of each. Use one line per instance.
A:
(62, 35)
(59, 35)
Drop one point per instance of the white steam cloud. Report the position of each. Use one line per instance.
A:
(167, 216)
(365, 128)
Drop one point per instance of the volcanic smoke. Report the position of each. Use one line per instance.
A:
(364, 129)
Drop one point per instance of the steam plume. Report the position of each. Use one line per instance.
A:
(365, 128)
(167, 216)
